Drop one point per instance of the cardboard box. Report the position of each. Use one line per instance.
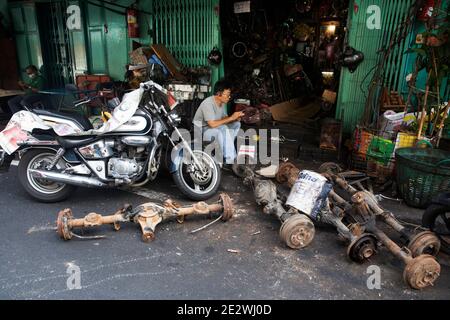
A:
(140, 55)
(292, 111)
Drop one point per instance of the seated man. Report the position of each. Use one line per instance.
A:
(213, 122)
(31, 86)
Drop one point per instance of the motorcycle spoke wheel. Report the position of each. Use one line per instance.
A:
(200, 182)
(42, 185)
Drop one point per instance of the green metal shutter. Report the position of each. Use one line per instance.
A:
(352, 98)
(190, 29)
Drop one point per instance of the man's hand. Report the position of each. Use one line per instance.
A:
(238, 114)
(21, 84)
(234, 117)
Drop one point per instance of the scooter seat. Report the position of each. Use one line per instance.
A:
(79, 119)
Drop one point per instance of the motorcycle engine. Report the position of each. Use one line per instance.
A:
(123, 168)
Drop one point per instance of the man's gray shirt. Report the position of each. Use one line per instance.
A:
(208, 111)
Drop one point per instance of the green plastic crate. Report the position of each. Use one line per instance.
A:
(380, 150)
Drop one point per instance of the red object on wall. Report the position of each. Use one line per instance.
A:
(132, 23)
(426, 11)
(89, 82)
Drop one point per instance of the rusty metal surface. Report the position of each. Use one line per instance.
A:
(331, 167)
(362, 248)
(421, 272)
(147, 215)
(421, 267)
(62, 227)
(228, 207)
(297, 231)
(425, 242)
(287, 174)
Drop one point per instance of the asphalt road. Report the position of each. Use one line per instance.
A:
(178, 265)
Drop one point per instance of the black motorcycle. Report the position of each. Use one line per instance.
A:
(51, 166)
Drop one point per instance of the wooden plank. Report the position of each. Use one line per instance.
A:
(169, 61)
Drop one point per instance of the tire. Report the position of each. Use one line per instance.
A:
(33, 187)
(429, 218)
(183, 186)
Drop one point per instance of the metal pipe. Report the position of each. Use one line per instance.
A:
(67, 178)
(147, 215)
(297, 229)
(199, 208)
(390, 245)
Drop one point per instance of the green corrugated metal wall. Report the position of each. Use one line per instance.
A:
(352, 98)
(188, 28)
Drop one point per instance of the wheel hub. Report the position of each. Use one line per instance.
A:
(425, 242)
(297, 231)
(201, 177)
(421, 271)
(362, 248)
(228, 207)
(62, 224)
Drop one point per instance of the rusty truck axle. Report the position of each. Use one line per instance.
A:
(362, 246)
(147, 215)
(297, 230)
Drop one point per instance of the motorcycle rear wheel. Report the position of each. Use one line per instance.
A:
(41, 190)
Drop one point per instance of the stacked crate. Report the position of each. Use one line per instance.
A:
(361, 142)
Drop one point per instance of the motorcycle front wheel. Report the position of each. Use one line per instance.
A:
(195, 184)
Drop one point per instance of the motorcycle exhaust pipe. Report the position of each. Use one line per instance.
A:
(68, 179)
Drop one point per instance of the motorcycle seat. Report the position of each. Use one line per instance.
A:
(74, 142)
(79, 119)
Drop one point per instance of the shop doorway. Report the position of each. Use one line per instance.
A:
(57, 53)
